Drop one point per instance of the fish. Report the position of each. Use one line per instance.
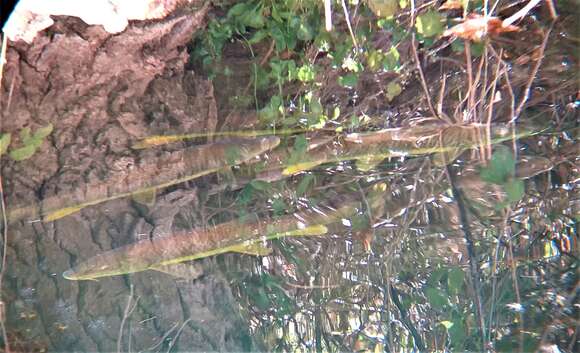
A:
(445, 142)
(234, 236)
(146, 176)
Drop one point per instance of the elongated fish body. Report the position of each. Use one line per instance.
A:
(446, 142)
(196, 244)
(144, 176)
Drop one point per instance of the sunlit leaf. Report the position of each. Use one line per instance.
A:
(391, 59)
(393, 90)
(43, 132)
(4, 142)
(23, 153)
(25, 134)
(306, 73)
(384, 8)
(446, 324)
(429, 24)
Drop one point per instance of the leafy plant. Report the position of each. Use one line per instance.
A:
(30, 142)
(501, 171)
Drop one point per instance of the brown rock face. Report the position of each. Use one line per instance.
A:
(101, 92)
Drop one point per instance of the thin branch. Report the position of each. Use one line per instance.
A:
(128, 311)
(347, 17)
(533, 74)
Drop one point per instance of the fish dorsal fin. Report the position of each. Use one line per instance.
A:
(146, 197)
(63, 212)
(256, 249)
(180, 270)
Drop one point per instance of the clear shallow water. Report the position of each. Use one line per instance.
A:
(448, 240)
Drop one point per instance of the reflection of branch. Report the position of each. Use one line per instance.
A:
(405, 318)
(128, 311)
(535, 69)
(473, 268)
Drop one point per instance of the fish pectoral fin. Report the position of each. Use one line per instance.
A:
(146, 197)
(256, 249)
(318, 229)
(180, 270)
(63, 212)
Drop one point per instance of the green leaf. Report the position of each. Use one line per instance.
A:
(43, 132)
(246, 195)
(261, 185)
(384, 8)
(477, 49)
(457, 334)
(500, 168)
(23, 153)
(25, 135)
(349, 80)
(4, 142)
(279, 206)
(393, 90)
(446, 324)
(238, 9)
(258, 36)
(306, 73)
(305, 32)
(429, 24)
(232, 155)
(437, 300)
(304, 185)
(515, 190)
(391, 60)
(455, 279)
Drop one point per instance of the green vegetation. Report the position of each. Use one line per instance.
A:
(403, 284)
(29, 142)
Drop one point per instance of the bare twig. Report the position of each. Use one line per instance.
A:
(347, 18)
(533, 74)
(521, 13)
(128, 311)
(328, 15)
(418, 63)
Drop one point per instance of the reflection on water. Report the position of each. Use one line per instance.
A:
(395, 232)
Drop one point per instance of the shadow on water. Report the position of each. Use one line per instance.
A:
(361, 216)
